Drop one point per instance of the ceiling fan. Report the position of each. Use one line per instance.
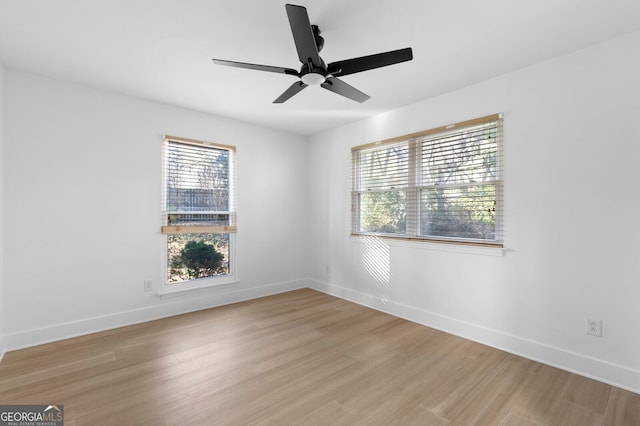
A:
(314, 71)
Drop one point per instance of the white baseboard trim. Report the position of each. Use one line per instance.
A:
(163, 309)
(603, 371)
(1, 348)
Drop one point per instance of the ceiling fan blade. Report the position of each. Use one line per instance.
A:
(364, 63)
(303, 35)
(268, 68)
(338, 86)
(292, 90)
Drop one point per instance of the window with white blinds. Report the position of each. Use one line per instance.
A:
(198, 214)
(443, 184)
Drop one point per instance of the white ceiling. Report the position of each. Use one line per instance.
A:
(161, 49)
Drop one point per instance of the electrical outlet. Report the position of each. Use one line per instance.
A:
(148, 285)
(593, 327)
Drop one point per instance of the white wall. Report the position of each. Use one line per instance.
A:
(571, 230)
(82, 204)
(1, 210)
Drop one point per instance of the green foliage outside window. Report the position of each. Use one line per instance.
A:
(383, 212)
(193, 256)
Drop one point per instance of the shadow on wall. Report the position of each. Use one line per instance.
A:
(376, 259)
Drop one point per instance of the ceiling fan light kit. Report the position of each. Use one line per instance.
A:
(314, 71)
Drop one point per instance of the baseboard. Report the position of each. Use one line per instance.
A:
(164, 309)
(603, 371)
(1, 348)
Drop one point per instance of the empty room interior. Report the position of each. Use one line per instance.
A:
(338, 212)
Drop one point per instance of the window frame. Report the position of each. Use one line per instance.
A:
(166, 229)
(414, 187)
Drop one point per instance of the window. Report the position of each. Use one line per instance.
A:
(198, 215)
(442, 184)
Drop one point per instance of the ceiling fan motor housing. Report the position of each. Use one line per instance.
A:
(312, 75)
(317, 37)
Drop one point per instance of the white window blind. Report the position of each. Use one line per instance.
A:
(441, 184)
(382, 182)
(198, 191)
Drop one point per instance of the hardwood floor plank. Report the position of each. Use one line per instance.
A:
(466, 385)
(540, 398)
(331, 413)
(301, 357)
(515, 420)
(51, 372)
(623, 408)
(401, 406)
(588, 393)
(570, 414)
(489, 401)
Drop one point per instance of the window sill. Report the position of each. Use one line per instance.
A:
(423, 244)
(170, 291)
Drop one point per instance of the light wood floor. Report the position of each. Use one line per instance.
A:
(300, 358)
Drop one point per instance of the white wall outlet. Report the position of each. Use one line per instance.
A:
(593, 327)
(148, 285)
